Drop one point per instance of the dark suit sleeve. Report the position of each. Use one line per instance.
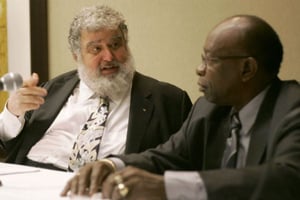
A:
(281, 178)
(175, 153)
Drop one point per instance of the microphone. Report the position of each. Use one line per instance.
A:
(10, 81)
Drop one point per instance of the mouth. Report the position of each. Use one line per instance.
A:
(202, 87)
(109, 70)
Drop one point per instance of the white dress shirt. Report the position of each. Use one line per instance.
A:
(56, 145)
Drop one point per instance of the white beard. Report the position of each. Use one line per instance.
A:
(114, 86)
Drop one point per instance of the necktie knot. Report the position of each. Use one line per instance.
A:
(103, 110)
(103, 101)
(235, 121)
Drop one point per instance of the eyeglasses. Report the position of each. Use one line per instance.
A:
(206, 59)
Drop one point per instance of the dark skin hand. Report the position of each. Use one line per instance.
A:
(98, 175)
(88, 180)
(141, 185)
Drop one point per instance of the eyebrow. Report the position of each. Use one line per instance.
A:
(115, 37)
(92, 43)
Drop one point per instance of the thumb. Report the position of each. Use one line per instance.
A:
(32, 81)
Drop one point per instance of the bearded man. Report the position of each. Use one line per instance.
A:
(40, 124)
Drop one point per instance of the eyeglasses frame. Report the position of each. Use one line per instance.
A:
(206, 59)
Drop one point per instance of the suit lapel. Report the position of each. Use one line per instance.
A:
(45, 115)
(258, 141)
(216, 134)
(260, 132)
(55, 101)
(141, 110)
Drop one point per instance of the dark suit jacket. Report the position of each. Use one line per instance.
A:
(273, 160)
(157, 110)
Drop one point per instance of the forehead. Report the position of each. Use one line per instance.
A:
(101, 35)
(225, 38)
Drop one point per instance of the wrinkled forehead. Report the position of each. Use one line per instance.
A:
(101, 35)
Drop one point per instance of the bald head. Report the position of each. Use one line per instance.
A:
(252, 36)
(242, 55)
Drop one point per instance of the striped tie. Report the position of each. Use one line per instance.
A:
(232, 143)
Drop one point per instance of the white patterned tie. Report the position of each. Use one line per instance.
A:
(232, 143)
(86, 147)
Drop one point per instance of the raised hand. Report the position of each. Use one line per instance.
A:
(28, 97)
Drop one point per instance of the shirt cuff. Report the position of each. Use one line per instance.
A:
(10, 124)
(118, 162)
(184, 185)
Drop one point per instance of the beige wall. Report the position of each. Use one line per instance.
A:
(166, 36)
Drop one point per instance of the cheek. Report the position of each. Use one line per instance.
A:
(216, 77)
(121, 55)
(91, 62)
(220, 80)
(229, 82)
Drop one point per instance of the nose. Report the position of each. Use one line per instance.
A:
(200, 70)
(107, 55)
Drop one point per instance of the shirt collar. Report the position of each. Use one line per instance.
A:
(85, 92)
(249, 112)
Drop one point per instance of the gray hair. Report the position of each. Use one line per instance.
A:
(93, 19)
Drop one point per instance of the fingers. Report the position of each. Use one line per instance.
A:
(28, 97)
(32, 81)
(81, 184)
(88, 181)
(116, 185)
(133, 183)
(77, 184)
(67, 188)
(71, 186)
(109, 185)
(97, 177)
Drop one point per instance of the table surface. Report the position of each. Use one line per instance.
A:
(24, 182)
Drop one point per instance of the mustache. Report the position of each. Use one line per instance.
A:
(110, 65)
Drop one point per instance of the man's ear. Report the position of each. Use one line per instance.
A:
(249, 69)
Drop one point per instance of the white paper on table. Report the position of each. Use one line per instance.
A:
(30, 183)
